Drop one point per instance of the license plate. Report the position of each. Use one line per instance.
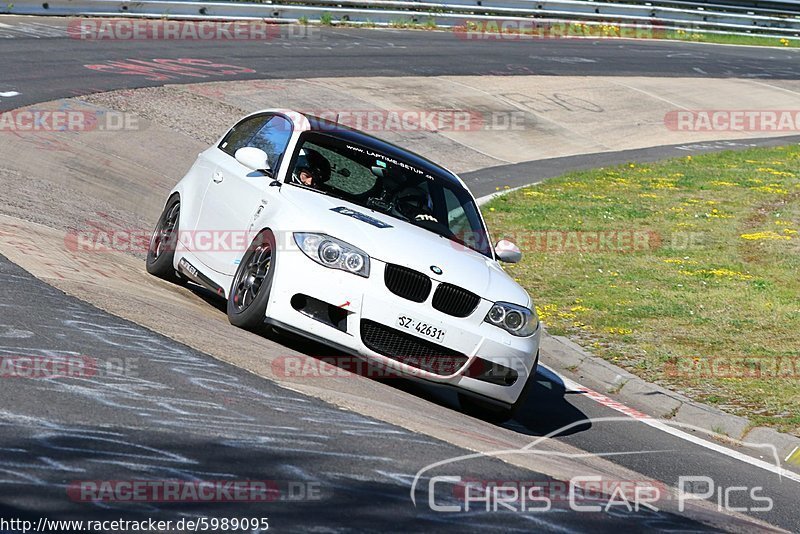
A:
(422, 328)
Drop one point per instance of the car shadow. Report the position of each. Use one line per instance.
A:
(209, 297)
(546, 410)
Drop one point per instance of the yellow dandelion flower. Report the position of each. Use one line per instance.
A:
(764, 236)
(770, 189)
(619, 331)
(717, 273)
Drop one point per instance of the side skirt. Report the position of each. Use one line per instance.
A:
(192, 273)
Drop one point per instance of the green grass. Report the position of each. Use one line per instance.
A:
(715, 275)
(404, 24)
(752, 40)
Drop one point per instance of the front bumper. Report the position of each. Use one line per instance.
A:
(356, 298)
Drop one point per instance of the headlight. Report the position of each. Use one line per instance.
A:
(514, 319)
(333, 253)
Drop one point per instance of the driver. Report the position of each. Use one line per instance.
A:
(312, 169)
(415, 204)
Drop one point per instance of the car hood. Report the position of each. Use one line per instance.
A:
(391, 240)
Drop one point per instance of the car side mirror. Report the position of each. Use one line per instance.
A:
(507, 252)
(254, 159)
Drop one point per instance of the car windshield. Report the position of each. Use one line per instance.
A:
(368, 178)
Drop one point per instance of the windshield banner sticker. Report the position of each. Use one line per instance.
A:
(361, 217)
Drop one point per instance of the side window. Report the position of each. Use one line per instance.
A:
(273, 138)
(457, 219)
(241, 133)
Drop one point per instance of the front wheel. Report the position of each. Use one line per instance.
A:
(252, 283)
(161, 252)
(492, 412)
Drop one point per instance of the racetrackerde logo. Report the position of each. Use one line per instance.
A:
(531, 29)
(193, 491)
(101, 238)
(570, 241)
(67, 120)
(324, 367)
(176, 30)
(425, 120)
(727, 120)
(104, 239)
(740, 367)
(47, 367)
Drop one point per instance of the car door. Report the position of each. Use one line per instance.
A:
(236, 195)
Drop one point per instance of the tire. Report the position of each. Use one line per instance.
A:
(161, 252)
(252, 284)
(494, 413)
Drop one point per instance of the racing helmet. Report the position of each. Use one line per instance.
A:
(314, 164)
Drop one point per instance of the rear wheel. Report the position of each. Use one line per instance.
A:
(494, 413)
(252, 283)
(161, 252)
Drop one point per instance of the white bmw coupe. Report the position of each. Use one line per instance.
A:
(335, 235)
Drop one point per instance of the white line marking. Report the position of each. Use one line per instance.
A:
(648, 93)
(658, 425)
(775, 87)
(8, 94)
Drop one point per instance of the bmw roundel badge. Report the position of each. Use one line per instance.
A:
(436, 269)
